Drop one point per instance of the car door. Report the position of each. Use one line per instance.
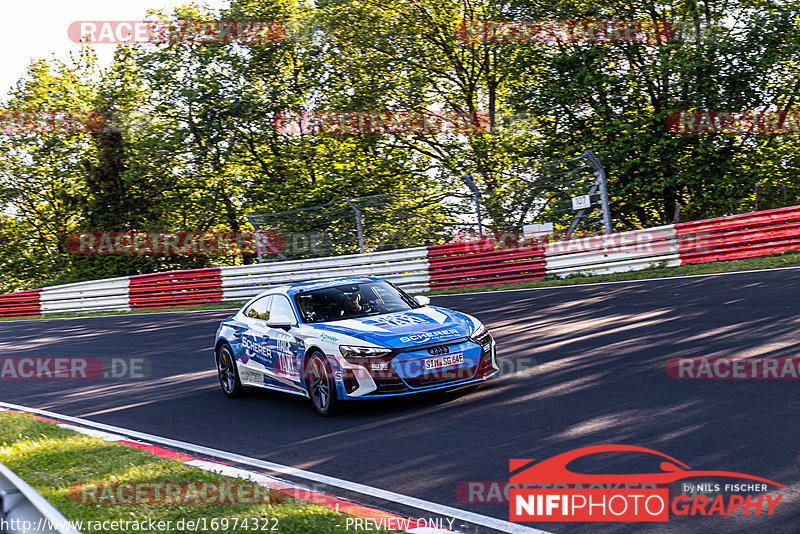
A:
(255, 355)
(285, 347)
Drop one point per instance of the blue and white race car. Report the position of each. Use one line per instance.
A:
(348, 339)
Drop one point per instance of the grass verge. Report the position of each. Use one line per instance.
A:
(53, 460)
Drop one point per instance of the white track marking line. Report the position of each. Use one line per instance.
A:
(105, 436)
(389, 496)
(235, 472)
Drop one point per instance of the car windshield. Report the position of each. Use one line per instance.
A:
(349, 301)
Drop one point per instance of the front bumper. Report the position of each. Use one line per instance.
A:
(401, 372)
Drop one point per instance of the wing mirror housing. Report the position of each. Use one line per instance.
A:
(422, 300)
(280, 321)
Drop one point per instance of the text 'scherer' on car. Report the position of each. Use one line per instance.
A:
(350, 339)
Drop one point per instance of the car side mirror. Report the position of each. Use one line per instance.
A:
(422, 300)
(280, 321)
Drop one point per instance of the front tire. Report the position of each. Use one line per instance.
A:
(228, 372)
(320, 385)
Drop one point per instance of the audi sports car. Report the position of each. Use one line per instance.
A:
(350, 339)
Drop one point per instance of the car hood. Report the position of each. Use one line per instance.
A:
(420, 326)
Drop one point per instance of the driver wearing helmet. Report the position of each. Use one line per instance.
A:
(307, 307)
(352, 303)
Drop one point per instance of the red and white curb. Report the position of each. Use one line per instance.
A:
(372, 516)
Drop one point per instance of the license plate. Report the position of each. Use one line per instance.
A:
(444, 361)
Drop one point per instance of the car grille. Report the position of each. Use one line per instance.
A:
(442, 377)
(387, 386)
(389, 382)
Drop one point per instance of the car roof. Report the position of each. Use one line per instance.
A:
(302, 287)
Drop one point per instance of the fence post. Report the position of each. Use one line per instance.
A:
(600, 172)
(359, 225)
(676, 218)
(477, 194)
(758, 196)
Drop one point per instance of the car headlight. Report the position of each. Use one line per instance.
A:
(350, 352)
(482, 337)
(478, 332)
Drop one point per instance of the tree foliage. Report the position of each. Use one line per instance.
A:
(189, 141)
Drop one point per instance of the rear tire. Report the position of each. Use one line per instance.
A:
(320, 385)
(228, 372)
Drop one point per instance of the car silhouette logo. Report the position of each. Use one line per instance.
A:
(554, 470)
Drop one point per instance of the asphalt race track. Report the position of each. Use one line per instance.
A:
(584, 365)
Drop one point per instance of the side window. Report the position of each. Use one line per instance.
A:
(259, 309)
(281, 306)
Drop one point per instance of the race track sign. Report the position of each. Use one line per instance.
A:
(537, 230)
(581, 203)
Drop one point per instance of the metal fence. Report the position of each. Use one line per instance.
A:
(391, 221)
(559, 200)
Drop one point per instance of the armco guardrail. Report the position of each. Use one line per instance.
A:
(20, 304)
(477, 263)
(407, 268)
(740, 236)
(175, 288)
(436, 267)
(613, 253)
(110, 294)
(23, 509)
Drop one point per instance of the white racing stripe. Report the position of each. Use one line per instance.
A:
(389, 496)
(352, 324)
(436, 315)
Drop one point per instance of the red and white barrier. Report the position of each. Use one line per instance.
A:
(20, 304)
(175, 288)
(478, 263)
(740, 236)
(613, 253)
(110, 294)
(408, 268)
(419, 269)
